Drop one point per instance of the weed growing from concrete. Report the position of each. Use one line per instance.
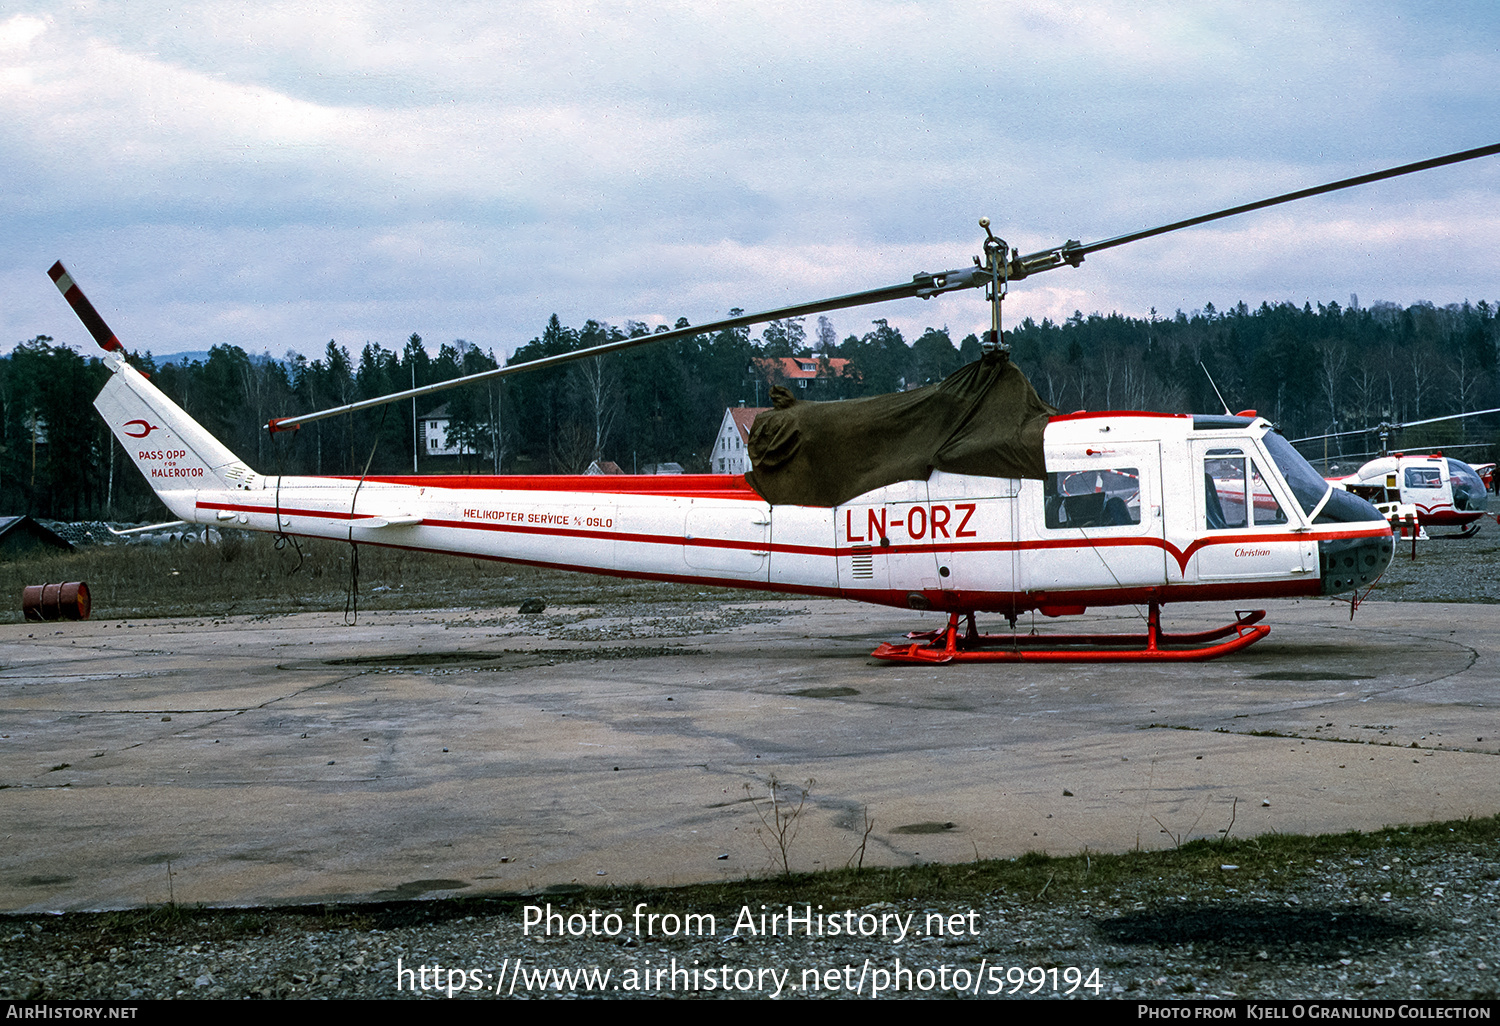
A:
(779, 818)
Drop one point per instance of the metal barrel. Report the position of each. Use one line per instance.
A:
(68, 601)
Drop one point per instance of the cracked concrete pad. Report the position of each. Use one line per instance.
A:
(295, 759)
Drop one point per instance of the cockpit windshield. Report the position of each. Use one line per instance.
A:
(1305, 482)
(1469, 492)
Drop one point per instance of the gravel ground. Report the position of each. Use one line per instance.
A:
(1404, 918)
(635, 620)
(1445, 570)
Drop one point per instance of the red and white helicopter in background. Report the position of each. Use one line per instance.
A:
(1442, 491)
(1433, 489)
(1114, 508)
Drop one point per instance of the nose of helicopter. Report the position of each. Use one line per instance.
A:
(1349, 564)
(1469, 492)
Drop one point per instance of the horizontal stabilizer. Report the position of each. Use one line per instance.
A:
(391, 521)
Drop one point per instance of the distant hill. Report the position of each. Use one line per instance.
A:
(200, 355)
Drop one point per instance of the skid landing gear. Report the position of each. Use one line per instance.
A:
(948, 645)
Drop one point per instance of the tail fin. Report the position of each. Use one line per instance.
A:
(175, 452)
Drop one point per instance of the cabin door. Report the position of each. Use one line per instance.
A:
(1098, 525)
(972, 525)
(1242, 524)
(730, 540)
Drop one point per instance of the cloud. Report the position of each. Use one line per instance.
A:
(272, 173)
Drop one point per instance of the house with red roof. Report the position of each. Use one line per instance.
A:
(798, 372)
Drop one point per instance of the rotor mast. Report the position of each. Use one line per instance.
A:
(995, 252)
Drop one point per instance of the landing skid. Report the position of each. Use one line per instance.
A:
(1467, 532)
(948, 645)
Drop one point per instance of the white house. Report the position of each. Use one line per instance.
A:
(729, 453)
(434, 433)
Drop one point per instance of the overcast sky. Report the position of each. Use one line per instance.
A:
(278, 175)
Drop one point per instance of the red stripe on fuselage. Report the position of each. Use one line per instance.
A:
(1182, 556)
(1445, 515)
(1096, 414)
(964, 600)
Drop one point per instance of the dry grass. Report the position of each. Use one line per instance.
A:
(1274, 864)
(246, 574)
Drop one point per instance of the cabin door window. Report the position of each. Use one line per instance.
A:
(1100, 520)
(1242, 517)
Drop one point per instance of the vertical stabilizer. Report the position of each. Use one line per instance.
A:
(175, 452)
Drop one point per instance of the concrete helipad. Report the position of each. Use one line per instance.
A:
(295, 759)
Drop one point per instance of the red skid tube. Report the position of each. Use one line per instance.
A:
(949, 646)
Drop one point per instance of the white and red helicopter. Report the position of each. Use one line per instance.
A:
(1043, 512)
(1443, 491)
(1435, 489)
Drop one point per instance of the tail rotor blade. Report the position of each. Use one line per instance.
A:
(84, 309)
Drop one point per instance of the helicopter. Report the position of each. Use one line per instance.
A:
(1438, 490)
(966, 496)
(1443, 491)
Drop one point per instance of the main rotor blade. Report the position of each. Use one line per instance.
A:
(1451, 416)
(1396, 427)
(922, 285)
(1317, 190)
(1335, 434)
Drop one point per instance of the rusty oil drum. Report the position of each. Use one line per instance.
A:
(56, 601)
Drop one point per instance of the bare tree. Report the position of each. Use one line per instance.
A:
(1466, 382)
(828, 340)
(1423, 368)
(1366, 381)
(595, 386)
(1332, 358)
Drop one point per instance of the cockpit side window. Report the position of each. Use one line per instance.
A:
(1424, 477)
(1236, 492)
(1224, 502)
(1267, 510)
(1107, 497)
